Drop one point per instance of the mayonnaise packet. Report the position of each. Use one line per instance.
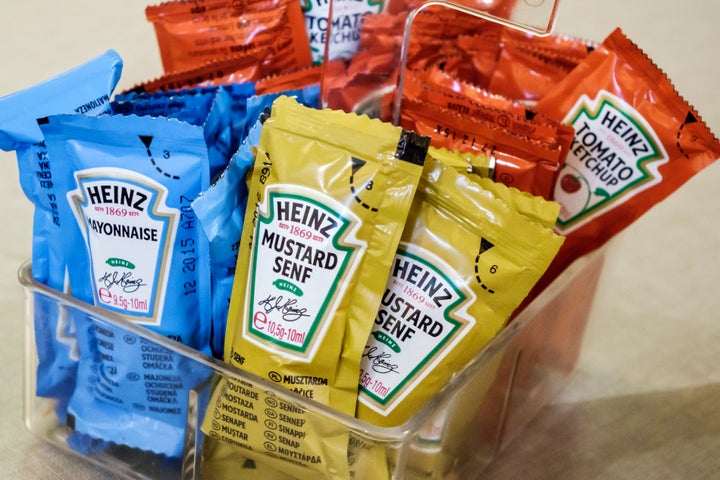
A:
(190, 105)
(465, 262)
(135, 248)
(225, 125)
(221, 211)
(308, 96)
(221, 110)
(329, 196)
(85, 89)
(131, 391)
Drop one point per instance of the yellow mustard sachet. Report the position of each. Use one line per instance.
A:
(464, 162)
(534, 207)
(480, 169)
(465, 262)
(329, 196)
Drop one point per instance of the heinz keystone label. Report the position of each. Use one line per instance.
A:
(303, 250)
(343, 28)
(128, 229)
(615, 154)
(422, 316)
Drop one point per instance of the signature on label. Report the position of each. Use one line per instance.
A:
(124, 281)
(379, 360)
(290, 311)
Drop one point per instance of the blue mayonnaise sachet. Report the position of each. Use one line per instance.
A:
(129, 182)
(225, 124)
(308, 96)
(190, 105)
(85, 89)
(131, 391)
(221, 211)
(221, 110)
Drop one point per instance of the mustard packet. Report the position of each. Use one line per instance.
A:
(465, 162)
(480, 168)
(329, 197)
(465, 262)
(533, 207)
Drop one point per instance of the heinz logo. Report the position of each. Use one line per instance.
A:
(117, 195)
(614, 155)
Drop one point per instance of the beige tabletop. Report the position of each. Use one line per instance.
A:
(645, 400)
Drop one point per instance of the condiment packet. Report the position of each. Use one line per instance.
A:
(527, 66)
(636, 141)
(239, 69)
(291, 80)
(135, 247)
(85, 89)
(329, 195)
(345, 25)
(465, 262)
(190, 105)
(443, 303)
(191, 34)
(226, 124)
(221, 211)
(528, 164)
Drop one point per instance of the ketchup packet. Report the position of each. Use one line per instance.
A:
(85, 89)
(344, 34)
(190, 34)
(444, 80)
(237, 69)
(525, 76)
(480, 105)
(530, 165)
(135, 248)
(293, 80)
(636, 141)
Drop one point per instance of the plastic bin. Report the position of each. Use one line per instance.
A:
(455, 435)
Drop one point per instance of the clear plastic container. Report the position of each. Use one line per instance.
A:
(455, 435)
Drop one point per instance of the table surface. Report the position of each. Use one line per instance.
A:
(644, 401)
